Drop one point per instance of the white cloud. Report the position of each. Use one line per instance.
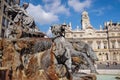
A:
(102, 10)
(98, 12)
(40, 15)
(79, 6)
(48, 12)
(56, 7)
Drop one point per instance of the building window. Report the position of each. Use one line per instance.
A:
(118, 34)
(106, 56)
(75, 35)
(114, 56)
(105, 45)
(113, 44)
(81, 35)
(89, 33)
(98, 44)
(100, 56)
(104, 34)
(113, 34)
(98, 35)
(118, 44)
(90, 43)
(99, 53)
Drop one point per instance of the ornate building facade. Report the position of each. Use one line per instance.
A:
(105, 42)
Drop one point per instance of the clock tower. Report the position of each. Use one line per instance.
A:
(85, 20)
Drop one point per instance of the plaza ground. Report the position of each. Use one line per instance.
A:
(105, 69)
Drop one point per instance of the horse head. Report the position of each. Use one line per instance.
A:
(58, 30)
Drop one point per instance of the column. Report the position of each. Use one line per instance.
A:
(116, 43)
(102, 45)
(103, 54)
(109, 56)
(118, 57)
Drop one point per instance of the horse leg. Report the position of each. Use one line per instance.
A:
(68, 74)
(69, 61)
(91, 65)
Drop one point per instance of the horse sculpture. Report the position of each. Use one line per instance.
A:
(73, 49)
(51, 57)
(85, 48)
(42, 58)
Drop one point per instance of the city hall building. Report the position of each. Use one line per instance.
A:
(105, 41)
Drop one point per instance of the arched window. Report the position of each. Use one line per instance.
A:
(100, 57)
(90, 43)
(105, 45)
(113, 44)
(98, 44)
(106, 56)
(75, 35)
(114, 56)
(118, 44)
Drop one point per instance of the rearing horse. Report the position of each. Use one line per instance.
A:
(73, 51)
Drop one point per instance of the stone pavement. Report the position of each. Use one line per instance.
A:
(111, 66)
(104, 71)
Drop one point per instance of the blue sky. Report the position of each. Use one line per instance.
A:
(48, 12)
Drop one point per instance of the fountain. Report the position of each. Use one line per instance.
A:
(28, 55)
